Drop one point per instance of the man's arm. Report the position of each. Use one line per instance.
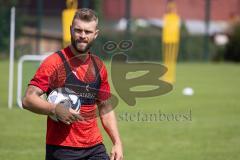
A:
(109, 123)
(34, 103)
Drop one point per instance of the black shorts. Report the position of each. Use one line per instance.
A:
(97, 152)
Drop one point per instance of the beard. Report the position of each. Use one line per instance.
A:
(81, 49)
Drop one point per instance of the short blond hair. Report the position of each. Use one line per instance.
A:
(86, 14)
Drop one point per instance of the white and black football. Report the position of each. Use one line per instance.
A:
(67, 97)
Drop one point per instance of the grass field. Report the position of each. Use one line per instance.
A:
(212, 133)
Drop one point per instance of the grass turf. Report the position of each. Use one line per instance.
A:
(213, 132)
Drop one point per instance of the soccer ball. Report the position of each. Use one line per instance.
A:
(65, 96)
(188, 91)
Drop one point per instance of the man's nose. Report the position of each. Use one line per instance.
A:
(82, 34)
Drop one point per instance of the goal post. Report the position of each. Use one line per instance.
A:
(11, 58)
(25, 58)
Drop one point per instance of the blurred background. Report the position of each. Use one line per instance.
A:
(205, 69)
(203, 22)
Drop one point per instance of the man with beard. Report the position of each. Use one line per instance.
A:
(76, 136)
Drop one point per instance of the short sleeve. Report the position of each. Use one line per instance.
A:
(104, 91)
(47, 76)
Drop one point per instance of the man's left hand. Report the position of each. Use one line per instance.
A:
(117, 152)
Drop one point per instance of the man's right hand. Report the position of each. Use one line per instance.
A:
(66, 115)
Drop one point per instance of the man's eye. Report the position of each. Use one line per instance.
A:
(88, 32)
(77, 30)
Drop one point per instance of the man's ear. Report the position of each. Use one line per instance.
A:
(96, 33)
(71, 30)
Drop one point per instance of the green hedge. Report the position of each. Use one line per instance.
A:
(5, 14)
(149, 47)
